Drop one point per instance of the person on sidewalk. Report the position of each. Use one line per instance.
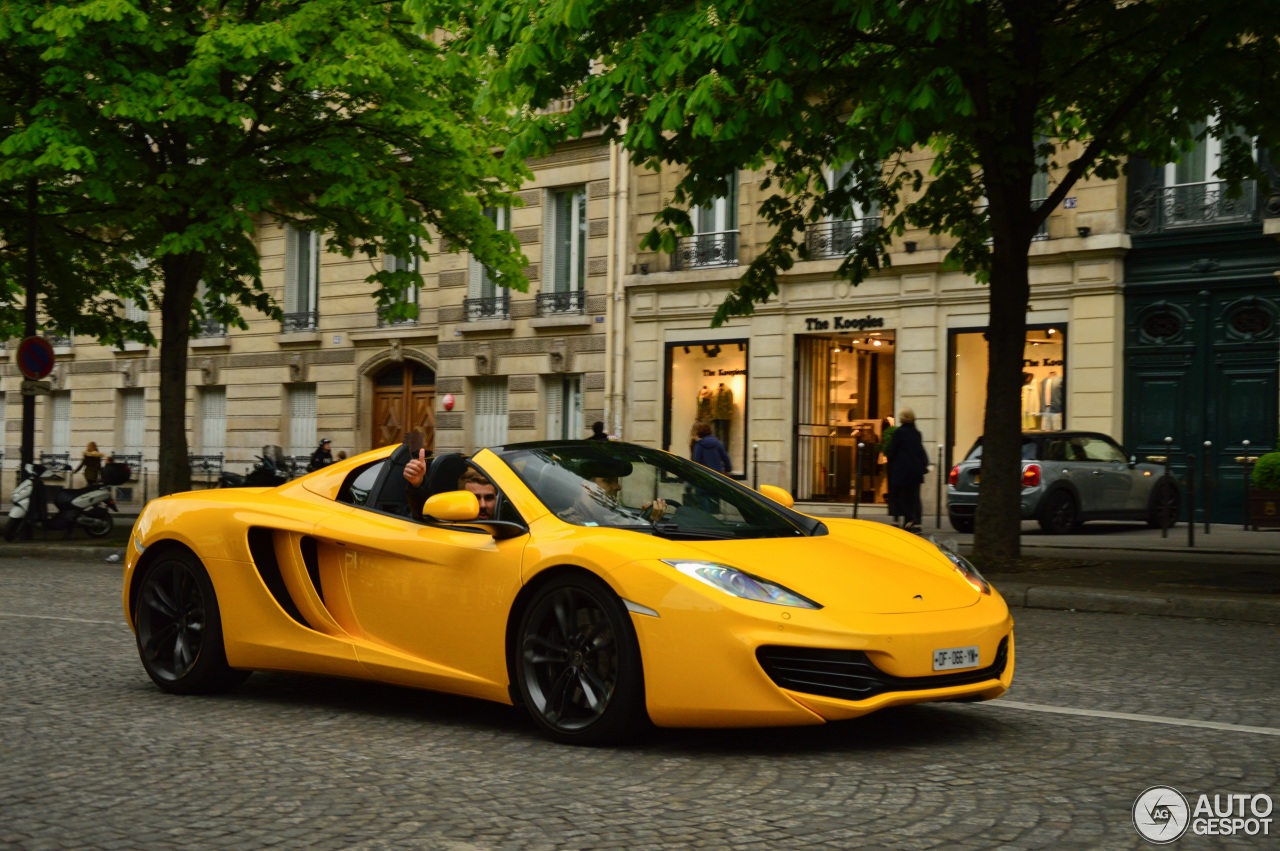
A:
(322, 457)
(597, 431)
(91, 463)
(908, 463)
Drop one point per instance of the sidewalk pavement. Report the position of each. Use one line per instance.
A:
(1229, 573)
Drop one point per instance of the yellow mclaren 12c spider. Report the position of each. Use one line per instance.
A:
(607, 585)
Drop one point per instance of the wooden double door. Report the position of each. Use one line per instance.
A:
(404, 400)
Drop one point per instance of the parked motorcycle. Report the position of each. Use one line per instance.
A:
(267, 473)
(87, 508)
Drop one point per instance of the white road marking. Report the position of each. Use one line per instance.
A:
(1129, 716)
(53, 618)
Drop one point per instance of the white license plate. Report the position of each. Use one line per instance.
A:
(951, 658)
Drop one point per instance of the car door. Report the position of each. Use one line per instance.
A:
(430, 602)
(1109, 474)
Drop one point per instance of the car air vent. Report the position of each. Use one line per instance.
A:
(850, 674)
(263, 551)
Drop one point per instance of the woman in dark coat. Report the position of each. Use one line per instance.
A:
(907, 462)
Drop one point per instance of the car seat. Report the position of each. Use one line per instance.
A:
(444, 471)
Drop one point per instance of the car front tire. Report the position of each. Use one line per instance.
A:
(179, 628)
(578, 663)
(1059, 515)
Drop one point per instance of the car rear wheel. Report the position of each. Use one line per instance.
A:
(1164, 503)
(180, 628)
(1059, 515)
(578, 668)
(961, 524)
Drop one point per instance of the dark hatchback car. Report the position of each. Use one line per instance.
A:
(1069, 477)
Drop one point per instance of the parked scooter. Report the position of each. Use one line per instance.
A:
(87, 508)
(267, 473)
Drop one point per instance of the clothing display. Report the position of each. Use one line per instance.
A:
(1051, 397)
(1030, 404)
(704, 404)
(721, 412)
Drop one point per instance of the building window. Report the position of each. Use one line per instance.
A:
(838, 233)
(2, 432)
(715, 228)
(206, 324)
(302, 418)
(1192, 194)
(486, 297)
(564, 408)
(211, 411)
(60, 421)
(564, 251)
(132, 421)
(301, 279)
(489, 420)
(392, 263)
(134, 312)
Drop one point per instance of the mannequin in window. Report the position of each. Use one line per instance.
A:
(704, 404)
(722, 412)
(1030, 402)
(1051, 396)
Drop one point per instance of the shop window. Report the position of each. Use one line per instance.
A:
(707, 382)
(1044, 386)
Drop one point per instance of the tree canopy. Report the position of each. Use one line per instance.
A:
(184, 125)
(996, 91)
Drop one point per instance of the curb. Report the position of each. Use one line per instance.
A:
(1028, 595)
(71, 552)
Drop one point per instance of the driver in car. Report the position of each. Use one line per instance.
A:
(598, 505)
(471, 480)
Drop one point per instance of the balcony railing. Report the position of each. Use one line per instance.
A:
(706, 251)
(210, 327)
(572, 301)
(493, 307)
(307, 320)
(836, 239)
(59, 341)
(385, 319)
(1189, 205)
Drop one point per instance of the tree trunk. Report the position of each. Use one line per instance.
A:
(998, 524)
(181, 277)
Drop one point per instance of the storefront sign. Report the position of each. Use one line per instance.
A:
(1043, 362)
(843, 323)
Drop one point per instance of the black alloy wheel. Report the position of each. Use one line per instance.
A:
(1059, 516)
(961, 524)
(1164, 503)
(180, 628)
(578, 667)
(100, 523)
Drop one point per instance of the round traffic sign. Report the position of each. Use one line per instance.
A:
(35, 357)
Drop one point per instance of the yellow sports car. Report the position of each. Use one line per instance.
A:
(597, 584)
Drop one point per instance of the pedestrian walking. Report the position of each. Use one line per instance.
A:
(322, 457)
(908, 463)
(709, 451)
(597, 431)
(91, 463)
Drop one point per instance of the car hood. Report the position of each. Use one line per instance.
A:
(861, 566)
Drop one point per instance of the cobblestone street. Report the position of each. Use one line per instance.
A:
(95, 756)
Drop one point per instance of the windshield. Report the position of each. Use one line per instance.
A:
(616, 485)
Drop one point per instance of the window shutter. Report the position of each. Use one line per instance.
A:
(564, 232)
(579, 281)
(60, 412)
(133, 420)
(291, 270)
(213, 420)
(302, 419)
(555, 408)
(490, 418)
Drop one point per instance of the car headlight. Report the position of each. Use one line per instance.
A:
(739, 583)
(963, 567)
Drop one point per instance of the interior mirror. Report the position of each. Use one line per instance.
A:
(778, 495)
(452, 506)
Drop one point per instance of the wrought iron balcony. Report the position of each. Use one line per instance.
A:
(210, 327)
(307, 320)
(384, 319)
(706, 251)
(59, 341)
(494, 307)
(1189, 205)
(836, 239)
(572, 301)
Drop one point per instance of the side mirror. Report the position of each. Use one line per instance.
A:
(452, 506)
(778, 495)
